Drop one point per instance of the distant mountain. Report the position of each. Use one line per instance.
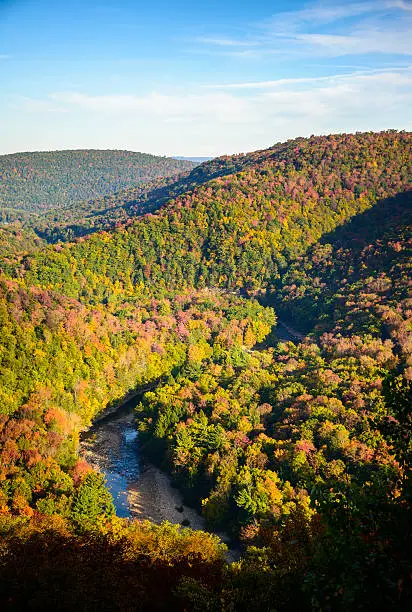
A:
(200, 160)
(42, 181)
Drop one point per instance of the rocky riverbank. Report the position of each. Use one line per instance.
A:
(140, 490)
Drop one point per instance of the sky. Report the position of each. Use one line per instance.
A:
(207, 78)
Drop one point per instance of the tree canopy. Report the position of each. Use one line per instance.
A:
(301, 450)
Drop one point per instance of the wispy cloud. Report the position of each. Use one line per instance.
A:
(363, 42)
(324, 30)
(400, 4)
(274, 84)
(320, 14)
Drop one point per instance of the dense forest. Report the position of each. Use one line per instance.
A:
(34, 183)
(16, 240)
(301, 450)
(237, 231)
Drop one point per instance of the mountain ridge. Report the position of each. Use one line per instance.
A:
(239, 230)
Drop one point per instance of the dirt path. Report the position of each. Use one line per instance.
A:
(292, 332)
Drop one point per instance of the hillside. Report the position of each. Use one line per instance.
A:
(262, 169)
(237, 231)
(115, 206)
(41, 181)
(112, 210)
(14, 239)
(370, 254)
(301, 451)
(109, 211)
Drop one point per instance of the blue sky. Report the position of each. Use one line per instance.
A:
(200, 78)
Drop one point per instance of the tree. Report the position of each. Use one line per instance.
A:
(92, 501)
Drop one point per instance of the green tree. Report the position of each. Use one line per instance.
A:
(92, 501)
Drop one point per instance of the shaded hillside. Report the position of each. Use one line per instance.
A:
(389, 215)
(365, 261)
(41, 181)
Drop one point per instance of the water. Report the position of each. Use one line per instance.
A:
(122, 469)
(139, 489)
(111, 446)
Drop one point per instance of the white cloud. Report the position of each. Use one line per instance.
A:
(368, 41)
(221, 107)
(242, 117)
(303, 80)
(400, 4)
(33, 105)
(324, 30)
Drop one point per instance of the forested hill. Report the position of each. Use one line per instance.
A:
(41, 181)
(237, 231)
(112, 210)
(355, 269)
(303, 160)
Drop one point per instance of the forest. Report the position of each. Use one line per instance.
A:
(300, 450)
(34, 183)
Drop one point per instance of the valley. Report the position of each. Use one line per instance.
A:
(255, 312)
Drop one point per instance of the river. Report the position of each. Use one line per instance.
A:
(140, 490)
